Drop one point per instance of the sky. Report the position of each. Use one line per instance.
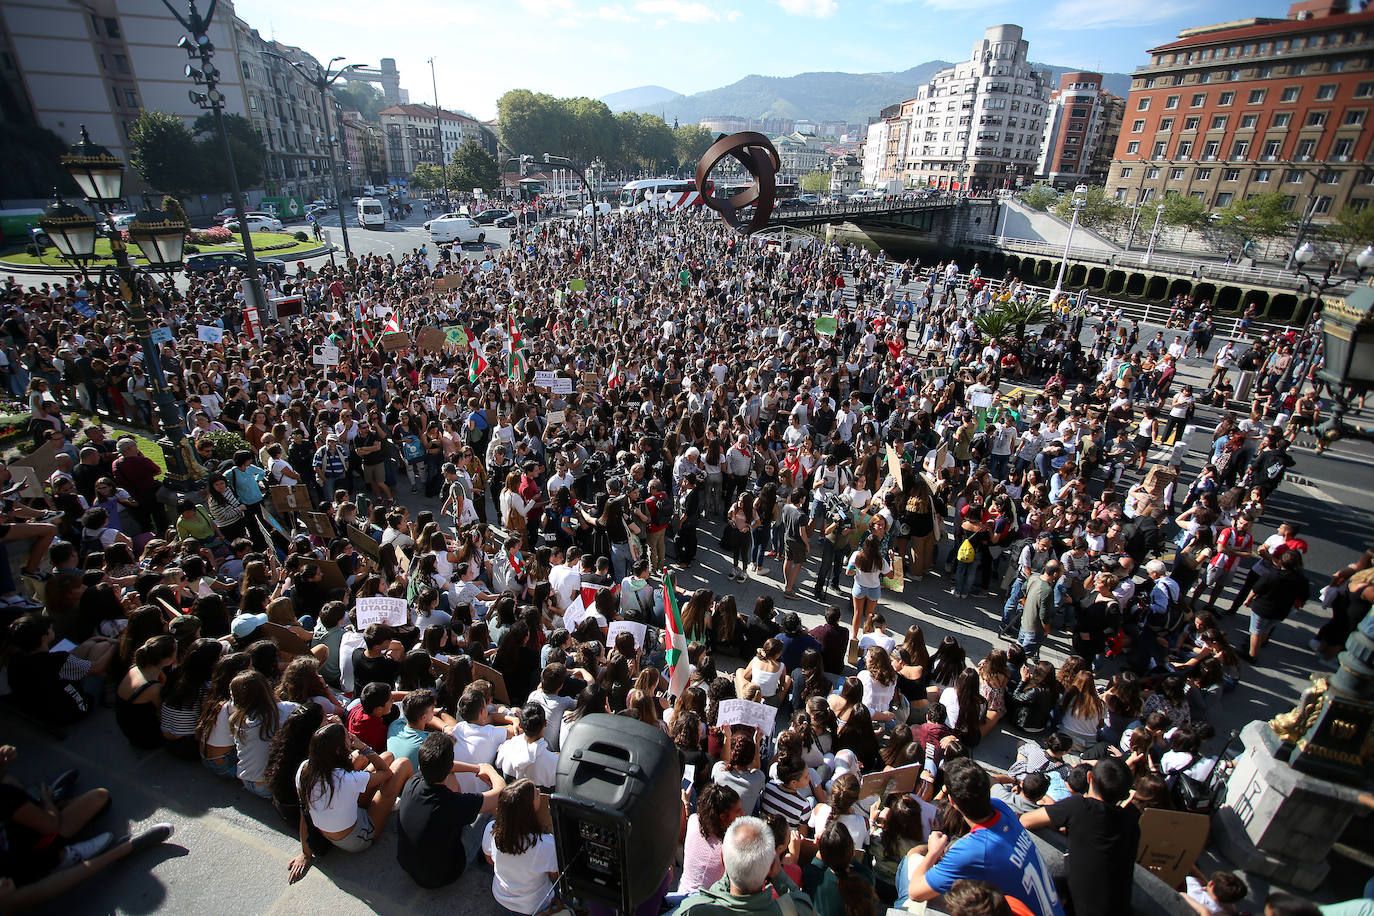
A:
(596, 47)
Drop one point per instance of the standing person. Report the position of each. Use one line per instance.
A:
(1038, 608)
(248, 481)
(795, 546)
(137, 474)
(370, 447)
(834, 535)
(1276, 595)
(867, 566)
(1103, 838)
(331, 466)
(688, 516)
(435, 839)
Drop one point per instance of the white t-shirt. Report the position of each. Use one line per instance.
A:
(856, 824)
(339, 811)
(519, 759)
(476, 744)
(876, 697)
(878, 638)
(521, 882)
(252, 746)
(872, 579)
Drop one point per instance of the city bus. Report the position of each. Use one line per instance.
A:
(660, 194)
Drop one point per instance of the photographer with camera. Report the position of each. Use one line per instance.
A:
(835, 528)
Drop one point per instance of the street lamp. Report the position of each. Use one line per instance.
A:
(162, 239)
(1080, 197)
(1345, 330)
(1154, 233)
(322, 79)
(550, 158)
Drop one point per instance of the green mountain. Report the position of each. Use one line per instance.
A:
(823, 96)
(640, 98)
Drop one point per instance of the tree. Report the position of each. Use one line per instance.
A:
(164, 153)
(428, 176)
(530, 122)
(590, 131)
(1351, 229)
(1039, 197)
(1098, 209)
(250, 154)
(691, 141)
(364, 98)
(646, 142)
(1262, 217)
(473, 167)
(816, 182)
(1184, 212)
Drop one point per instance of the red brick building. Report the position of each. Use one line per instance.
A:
(1244, 108)
(1081, 129)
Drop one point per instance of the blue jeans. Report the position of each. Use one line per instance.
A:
(620, 559)
(763, 537)
(963, 576)
(997, 466)
(227, 766)
(1029, 641)
(1010, 609)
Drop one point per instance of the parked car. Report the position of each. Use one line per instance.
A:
(511, 220)
(257, 222)
(452, 228)
(315, 211)
(792, 203)
(218, 260)
(809, 199)
(121, 221)
(489, 216)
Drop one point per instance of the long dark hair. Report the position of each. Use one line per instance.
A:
(328, 752)
(252, 695)
(290, 745)
(224, 671)
(517, 829)
(187, 680)
(836, 851)
(949, 660)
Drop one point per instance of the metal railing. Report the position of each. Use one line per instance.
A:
(862, 208)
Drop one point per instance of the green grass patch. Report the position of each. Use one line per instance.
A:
(271, 244)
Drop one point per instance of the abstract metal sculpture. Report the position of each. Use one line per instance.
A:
(758, 156)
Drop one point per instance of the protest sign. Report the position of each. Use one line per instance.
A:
(318, 524)
(432, 340)
(160, 335)
(827, 325)
(290, 498)
(617, 627)
(399, 340)
(544, 378)
(390, 611)
(209, 333)
(743, 712)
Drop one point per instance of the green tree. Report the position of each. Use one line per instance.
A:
(473, 167)
(816, 182)
(364, 98)
(250, 153)
(691, 142)
(590, 131)
(1350, 228)
(1258, 218)
(646, 142)
(1184, 212)
(1098, 209)
(428, 176)
(165, 154)
(530, 122)
(1039, 197)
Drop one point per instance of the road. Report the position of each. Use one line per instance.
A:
(231, 850)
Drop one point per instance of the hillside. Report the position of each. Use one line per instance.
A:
(821, 96)
(641, 98)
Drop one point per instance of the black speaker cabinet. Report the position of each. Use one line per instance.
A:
(616, 807)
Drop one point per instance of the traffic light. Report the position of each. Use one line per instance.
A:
(525, 161)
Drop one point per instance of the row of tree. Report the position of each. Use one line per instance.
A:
(180, 160)
(1261, 217)
(471, 167)
(584, 129)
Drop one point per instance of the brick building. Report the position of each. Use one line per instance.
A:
(1081, 130)
(1255, 106)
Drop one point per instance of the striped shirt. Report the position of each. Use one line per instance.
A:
(792, 806)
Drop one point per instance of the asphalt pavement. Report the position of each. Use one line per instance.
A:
(230, 851)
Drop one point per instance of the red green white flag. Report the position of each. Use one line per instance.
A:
(675, 640)
(477, 366)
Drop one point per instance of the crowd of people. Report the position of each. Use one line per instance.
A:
(578, 423)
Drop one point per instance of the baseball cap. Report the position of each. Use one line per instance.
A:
(246, 624)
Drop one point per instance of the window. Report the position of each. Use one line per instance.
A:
(1330, 176)
(1293, 176)
(1336, 66)
(1218, 122)
(1248, 122)
(1240, 149)
(1203, 175)
(1224, 199)
(1191, 123)
(1171, 102)
(1137, 125)
(131, 98)
(1298, 69)
(1321, 205)
(112, 27)
(1305, 150)
(1158, 152)
(1257, 96)
(1211, 149)
(1326, 92)
(1151, 175)
(1199, 99)
(1354, 117)
(1176, 174)
(1341, 149)
(1263, 175)
(121, 63)
(1133, 147)
(1143, 104)
(1364, 90)
(1290, 94)
(1271, 150)
(1126, 172)
(1185, 149)
(1283, 119)
(1166, 123)
(1288, 202)
(1359, 203)
(1226, 98)
(1230, 175)
(1316, 118)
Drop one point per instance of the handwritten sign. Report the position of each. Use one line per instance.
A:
(745, 712)
(432, 340)
(438, 383)
(544, 378)
(363, 541)
(290, 498)
(318, 524)
(160, 335)
(209, 333)
(390, 611)
(562, 385)
(325, 355)
(574, 614)
(981, 399)
(454, 335)
(636, 630)
(591, 381)
(555, 418)
(400, 340)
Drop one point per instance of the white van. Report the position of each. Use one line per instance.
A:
(371, 213)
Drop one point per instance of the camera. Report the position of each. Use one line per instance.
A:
(836, 508)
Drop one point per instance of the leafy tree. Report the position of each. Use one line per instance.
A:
(816, 182)
(1184, 212)
(530, 122)
(250, 153)
(691, 142)
(428, 176)
(364, 98)
(473, 167)
(1351, 228)
(646, 142)
(1039, 197)
(166, 155)
(1264, 216)
(1098, 209)
(590, 131)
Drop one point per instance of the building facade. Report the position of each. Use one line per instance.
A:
(412, 134)
(800, 155)
(365, 147)
(1082, 123)
(1257, 106)
(979, 124)
(846, 174)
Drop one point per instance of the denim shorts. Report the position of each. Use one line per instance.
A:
(362, 835)
(261, 791)
(227, 766)
(1262, 626)
(872, 593)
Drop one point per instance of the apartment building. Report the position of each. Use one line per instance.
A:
(1255, 106)
(1082, 124)
(412, 133)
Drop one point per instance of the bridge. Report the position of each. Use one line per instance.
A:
(897, 213)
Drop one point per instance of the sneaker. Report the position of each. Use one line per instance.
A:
(63, 785)
(151, 836)
(36, 576)
(76, 853)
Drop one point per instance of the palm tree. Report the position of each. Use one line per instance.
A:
(1024, 314)
(993, 323)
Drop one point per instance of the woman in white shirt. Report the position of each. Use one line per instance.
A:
(765, 670)
(879, 680)
(522, 856)
(254, 717)
(339, 768)
(868, 566)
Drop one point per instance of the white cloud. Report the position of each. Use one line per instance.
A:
(957, 5)
(546, 8)
(733, 16)
(813, 9)
(1092, 14)
(679, 11)
(615, 13)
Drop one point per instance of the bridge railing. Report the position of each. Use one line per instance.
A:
(856, 208)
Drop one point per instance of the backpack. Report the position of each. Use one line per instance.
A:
(663, 511)
(1249, 360)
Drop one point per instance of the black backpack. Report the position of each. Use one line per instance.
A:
(1249, 360)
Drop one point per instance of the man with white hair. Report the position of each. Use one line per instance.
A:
(752, 873)
(689, 462)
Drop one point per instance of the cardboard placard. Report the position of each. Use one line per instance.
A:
(456, 336)
(894, 465)
(897, 580)
(438, 383)
(290, 498)
(449, 281)
(432, 340)
(555, 418)
(1158, 477)
(543, 378)
(333, 576)
(1171, 842)
(591, 381)
(390, 611)
(744, 712)
(30, 486)
(209, 333)
(363, 541)
(617, 627)
(562, 385)
(898, 781)
(397, 340)
(43, 459)
(319, 524)
(325, 355)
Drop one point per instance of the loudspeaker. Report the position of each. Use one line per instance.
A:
(616, 808)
